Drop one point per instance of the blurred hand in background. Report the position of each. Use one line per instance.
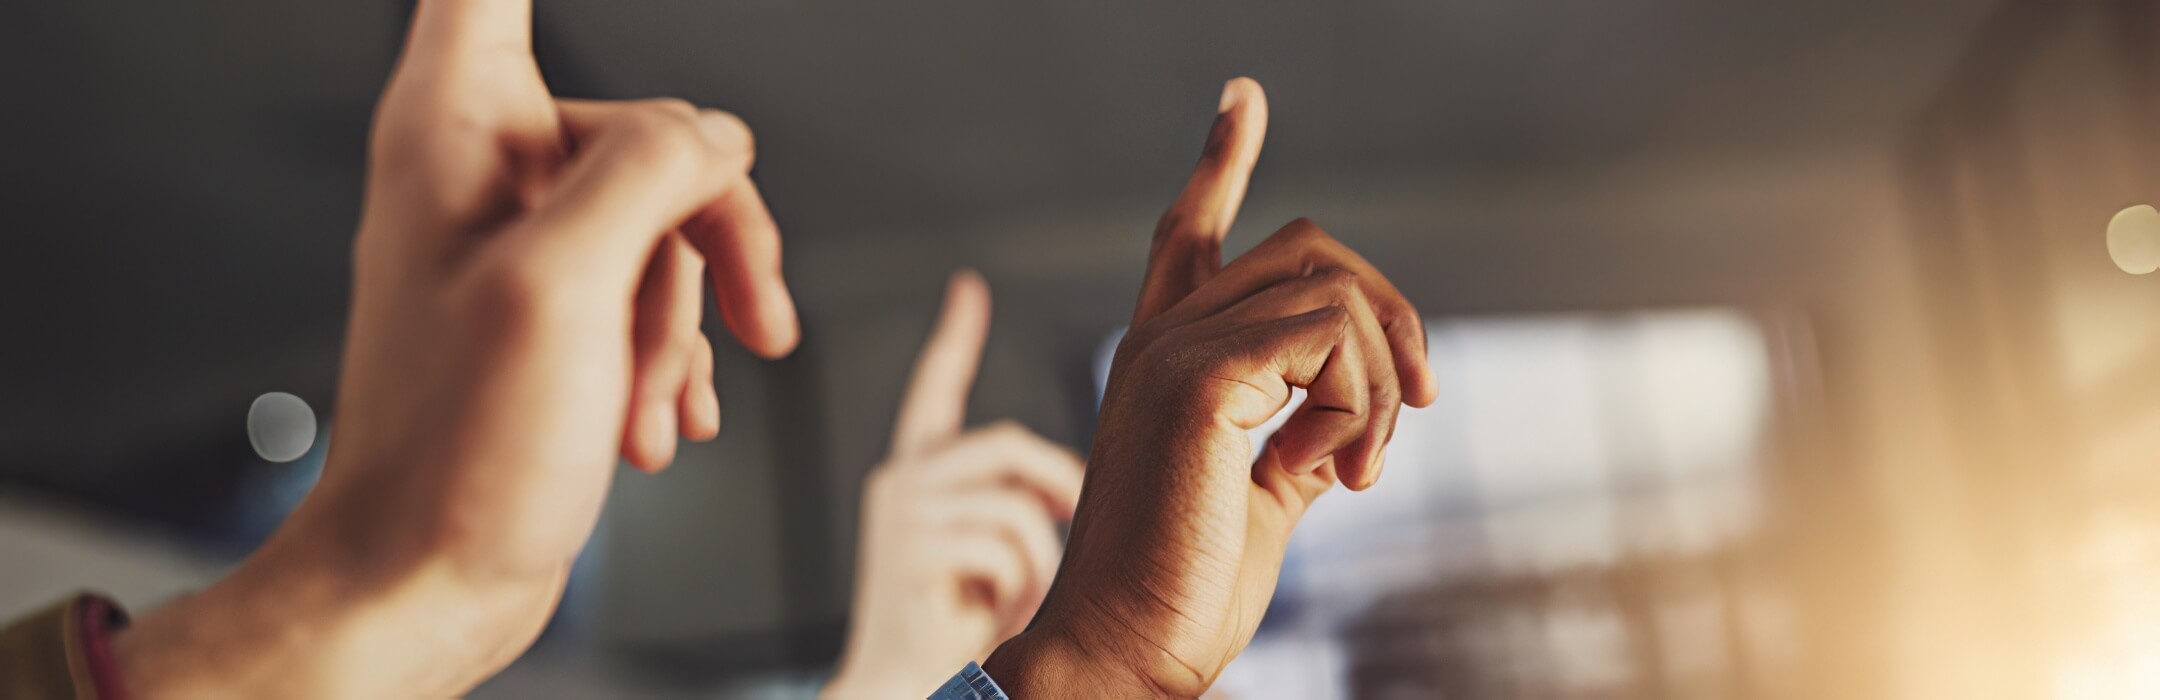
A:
(959, 528)
(1179, 536)
(525, 309)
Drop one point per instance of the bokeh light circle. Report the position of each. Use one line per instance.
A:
(2133, 239)
(281, 426)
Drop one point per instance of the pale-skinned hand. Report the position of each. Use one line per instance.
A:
(959, 528)
(1180, 532)
(527, 293)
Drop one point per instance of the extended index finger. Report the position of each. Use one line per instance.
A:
(460, 33)
(1188, 241)
(935, 406)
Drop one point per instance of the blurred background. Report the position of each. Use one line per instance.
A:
(1781, 350)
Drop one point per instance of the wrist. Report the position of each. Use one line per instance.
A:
(256, 632)
(309, 615)
(1047, 663)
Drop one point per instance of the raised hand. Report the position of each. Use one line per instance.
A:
(1180, 532)
(959, 528)
(525, 309)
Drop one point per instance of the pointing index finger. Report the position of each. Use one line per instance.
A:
(935, 406)
(458, 33)
(1188, 241)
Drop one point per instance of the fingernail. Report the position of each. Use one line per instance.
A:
(1231, 96)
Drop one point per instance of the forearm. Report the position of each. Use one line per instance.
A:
(307, 617)
(259, 631)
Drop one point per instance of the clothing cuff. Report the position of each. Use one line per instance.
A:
(970, 683)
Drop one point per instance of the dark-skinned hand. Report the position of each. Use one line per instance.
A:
(1180, 531)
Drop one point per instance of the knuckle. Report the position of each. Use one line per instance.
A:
(1190, 359)
(730, 131)
(660, 138)
(1353, 293)
(1007, 429)
(1344, 323)
(1337, 278)
(669, 150)
(1340, 287)
(1339, 315)
(671, 108)
(1304, 230)
(1311, 241)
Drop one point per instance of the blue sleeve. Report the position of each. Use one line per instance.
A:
(970, 684)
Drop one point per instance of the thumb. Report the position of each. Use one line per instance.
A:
(468, 38)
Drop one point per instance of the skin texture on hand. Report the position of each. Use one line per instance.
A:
(959, 529)
(527, 292)
(1180, 531)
